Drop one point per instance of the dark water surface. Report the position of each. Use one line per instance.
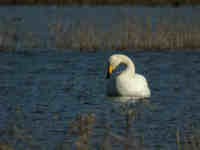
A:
(39, 18)
(42, 91)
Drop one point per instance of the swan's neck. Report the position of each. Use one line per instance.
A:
(130, 67)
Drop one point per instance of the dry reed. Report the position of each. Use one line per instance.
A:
(82, 133)
(130, 36)
(124, 36)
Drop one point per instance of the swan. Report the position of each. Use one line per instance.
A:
(126, 83)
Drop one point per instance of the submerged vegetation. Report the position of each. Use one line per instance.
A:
(87, 132)
(102, 2)
(82, 133)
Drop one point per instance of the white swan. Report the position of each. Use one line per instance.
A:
(127, 82)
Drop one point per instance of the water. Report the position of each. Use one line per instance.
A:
(42, 91)
(99, 15)
(39, 20)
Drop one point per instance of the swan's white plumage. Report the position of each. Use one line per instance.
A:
(127, 83)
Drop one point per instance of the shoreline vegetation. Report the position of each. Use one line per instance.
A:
(175, 3)
(91, 37)
(82, 135)
(128, 36)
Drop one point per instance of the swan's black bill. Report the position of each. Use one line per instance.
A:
(109, 71)
(108, 75)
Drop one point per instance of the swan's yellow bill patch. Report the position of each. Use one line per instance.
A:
(110, 69)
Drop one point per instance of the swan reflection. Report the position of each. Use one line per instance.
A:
(125, 105)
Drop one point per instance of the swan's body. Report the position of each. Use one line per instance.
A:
(127, 83)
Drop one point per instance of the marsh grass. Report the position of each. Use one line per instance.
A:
(8, 35)
(8, 40)
(84, 128)
(188, 139)
(81, 128)
(5, 146)
(82, 134)
(14, 133)
(127, 35)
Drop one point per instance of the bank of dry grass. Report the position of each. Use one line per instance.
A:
(127, 35)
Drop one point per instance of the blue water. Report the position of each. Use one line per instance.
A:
(43, 90)
(40, 19)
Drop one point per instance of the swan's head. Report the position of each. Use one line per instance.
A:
(115, 60)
